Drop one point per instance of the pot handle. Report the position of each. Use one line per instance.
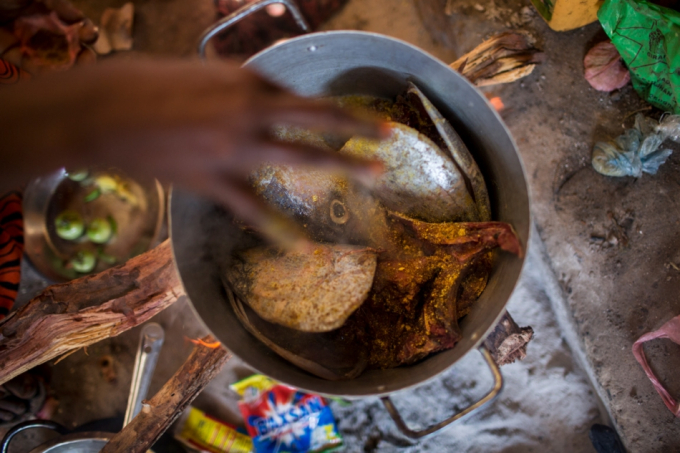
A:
(4, 448)
(245, 11)
(492, 394)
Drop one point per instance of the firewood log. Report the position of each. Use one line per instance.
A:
(72, 315)
(157, 414)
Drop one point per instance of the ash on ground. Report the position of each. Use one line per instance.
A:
(547, 403)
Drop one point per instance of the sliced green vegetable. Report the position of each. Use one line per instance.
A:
(84, 261)
(108, 259)
(114, 224)
(106, 183)
(78, 175)
(69, 225)
(124, 191)
(100, 231)
(93, 195)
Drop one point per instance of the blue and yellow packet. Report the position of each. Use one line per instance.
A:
(282, 419)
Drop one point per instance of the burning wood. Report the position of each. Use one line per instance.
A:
(199, 341)
(204, 363)
(503, 58)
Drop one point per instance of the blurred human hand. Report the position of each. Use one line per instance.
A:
(204, 127)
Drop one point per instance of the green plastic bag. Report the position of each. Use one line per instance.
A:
(648, 38)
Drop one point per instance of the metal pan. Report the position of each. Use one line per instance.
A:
(341, 63)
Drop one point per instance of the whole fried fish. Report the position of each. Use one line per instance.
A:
(312, 290)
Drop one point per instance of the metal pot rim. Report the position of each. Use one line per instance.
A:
(476, 101)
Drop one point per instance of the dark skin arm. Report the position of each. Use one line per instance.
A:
(204, 127)
(200, 126)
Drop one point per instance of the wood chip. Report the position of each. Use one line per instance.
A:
(503, 58)
(115, 31)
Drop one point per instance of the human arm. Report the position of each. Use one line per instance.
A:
(200, 126)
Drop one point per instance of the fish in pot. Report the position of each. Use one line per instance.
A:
(392, 268)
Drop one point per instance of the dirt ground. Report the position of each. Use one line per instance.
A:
(613, 242)
(613, 245)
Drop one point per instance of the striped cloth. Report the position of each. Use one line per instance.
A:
(11, 249)
(10, 74)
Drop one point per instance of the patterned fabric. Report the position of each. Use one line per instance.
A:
(10, 74)
(11, 249)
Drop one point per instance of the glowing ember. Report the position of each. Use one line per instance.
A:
(497, 103)
(213, 345)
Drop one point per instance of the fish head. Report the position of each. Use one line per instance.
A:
(330, 206)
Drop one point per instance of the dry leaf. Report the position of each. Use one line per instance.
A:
(604, 69)
(503, 58)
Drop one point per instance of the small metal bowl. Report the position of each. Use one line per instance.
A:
(138, 223)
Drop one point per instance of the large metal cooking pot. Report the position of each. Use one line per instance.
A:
(342, 63)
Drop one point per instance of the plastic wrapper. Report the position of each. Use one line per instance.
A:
(648, 38)
(671, 331)
(201, 432)
(638, 149)
(282, 419)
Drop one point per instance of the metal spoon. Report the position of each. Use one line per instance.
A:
(150, 343)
